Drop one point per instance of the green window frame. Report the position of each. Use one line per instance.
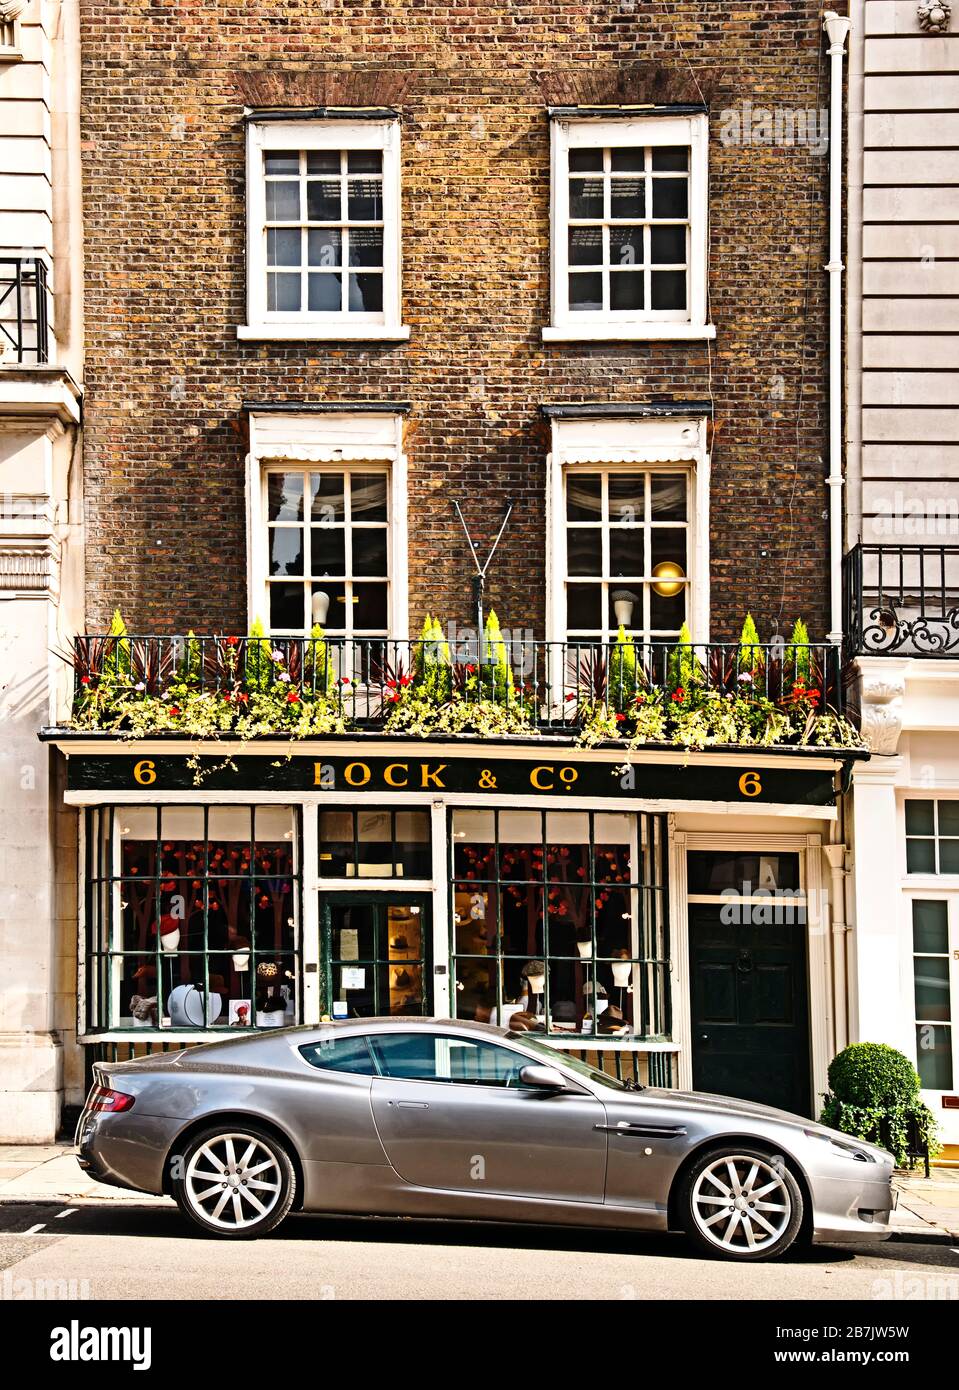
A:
(199, 896)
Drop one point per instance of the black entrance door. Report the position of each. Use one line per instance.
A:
(750, 1013)
(376, 951)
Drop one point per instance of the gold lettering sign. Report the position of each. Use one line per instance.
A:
(389, 775)
(750, 784)
(145, 772)
(357, 774)
(432, 779)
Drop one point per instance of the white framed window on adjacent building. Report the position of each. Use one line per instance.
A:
(629, 228)
(327, 524)
(628, 517)
(323, 230)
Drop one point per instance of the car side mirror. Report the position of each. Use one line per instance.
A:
(542, 1078)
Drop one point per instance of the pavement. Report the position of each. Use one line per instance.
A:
(928, 1210)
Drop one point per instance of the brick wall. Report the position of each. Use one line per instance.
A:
(165, 82)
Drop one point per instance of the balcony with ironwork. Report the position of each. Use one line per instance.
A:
(902, 600)
(25, 311)
(662, 693)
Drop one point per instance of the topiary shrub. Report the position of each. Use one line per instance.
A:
(874, 1095)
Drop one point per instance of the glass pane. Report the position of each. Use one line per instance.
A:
(583, 496)
(667, 612)
(282, 200)
(369, 607)
(586, 198)
(584, 608)
(285, 496)
(323, 162)
(626, 554)
(282, 247)
(668, 245)
(328, 550)
(949, 856)
(341, 1054)
(323, 200)
(920, 817)
(336, 844)
(626, 290)
(585, 161)
(628, 159)
(668, 499)
(368, 496)
(413, 843)
(408, 1055)
(404, 931)
(286, 550)
(369, 552)
(627, 495)
(584, 551)
(327, 597)
(670, 198)
(281, 161)
(366, 294)
(668, 290)
(586, 292)
(283, 294)
(671, 157)
(625, 245)
(287, 607)
(934, 1057)
(930, 928)
(585, 245)
(326, 293)
(327, 493)
(627, 198)
(364, 200)
(324, 246)
(365, 246)
(353, 931)
(364, 162)
(948, 812)
(921, 856)
(473, 835)
(668, 546)
(716, 871)
(932, 988)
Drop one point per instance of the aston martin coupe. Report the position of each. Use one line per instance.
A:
(435, 1118)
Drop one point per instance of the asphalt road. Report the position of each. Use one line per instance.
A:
(128, 1251)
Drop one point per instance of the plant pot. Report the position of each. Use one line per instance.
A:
(320, 606)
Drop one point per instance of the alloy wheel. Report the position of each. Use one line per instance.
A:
(233, 1181)
(740, 1203)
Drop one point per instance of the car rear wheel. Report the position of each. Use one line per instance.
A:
(738, 1203)
(236, 1182)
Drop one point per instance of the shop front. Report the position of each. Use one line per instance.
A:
(664, 915)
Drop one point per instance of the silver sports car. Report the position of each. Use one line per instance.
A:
(433, 1118)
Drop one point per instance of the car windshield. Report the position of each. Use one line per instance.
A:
(554, 1055)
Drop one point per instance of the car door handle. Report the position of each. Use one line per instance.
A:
(410, 1104)
(644, 1131)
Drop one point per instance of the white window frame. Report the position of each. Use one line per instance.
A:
(909, 957)
(677, 443)
(587, 132)
(336, 440)
(263, 136)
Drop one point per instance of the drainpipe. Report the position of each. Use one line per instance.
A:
(836, 27)
(836, 859)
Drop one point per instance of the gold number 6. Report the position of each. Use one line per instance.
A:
(750, 785)
(145, 772)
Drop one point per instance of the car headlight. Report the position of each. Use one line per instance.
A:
(841, 1147)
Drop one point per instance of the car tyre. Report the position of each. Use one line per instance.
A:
(234, 1181)
(740, 1203)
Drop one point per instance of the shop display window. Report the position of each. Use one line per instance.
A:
(192, 917)
(560, 921)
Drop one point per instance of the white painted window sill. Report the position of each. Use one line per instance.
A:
(627, 332)
(326, 332)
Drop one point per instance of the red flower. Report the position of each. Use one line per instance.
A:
(345, 680)
(232, 641)
(678, 695)
(620, 718)
(404, 680)
(244, 698)
(84, 680)
(292, 698)
(571, 696)
(174, 709)
(471, 669)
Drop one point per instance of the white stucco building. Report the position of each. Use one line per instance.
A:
(41, 575)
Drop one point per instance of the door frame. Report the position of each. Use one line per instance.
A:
(818, 979)
(416, 897)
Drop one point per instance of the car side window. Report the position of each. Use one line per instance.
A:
(429, 1057)
(340, 1054)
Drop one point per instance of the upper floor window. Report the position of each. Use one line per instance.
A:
(932, 837)
(629, 228)
(323, 240)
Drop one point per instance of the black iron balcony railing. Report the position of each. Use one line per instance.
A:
(550, 685)
(902, 600)
(24, 311)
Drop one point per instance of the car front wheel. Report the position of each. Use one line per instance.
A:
(738, 1203)
(235, 1182)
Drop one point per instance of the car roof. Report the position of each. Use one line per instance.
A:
(390, 1023)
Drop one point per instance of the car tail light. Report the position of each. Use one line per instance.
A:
(103, 1098)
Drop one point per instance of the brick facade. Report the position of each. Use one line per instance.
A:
(164, 86)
